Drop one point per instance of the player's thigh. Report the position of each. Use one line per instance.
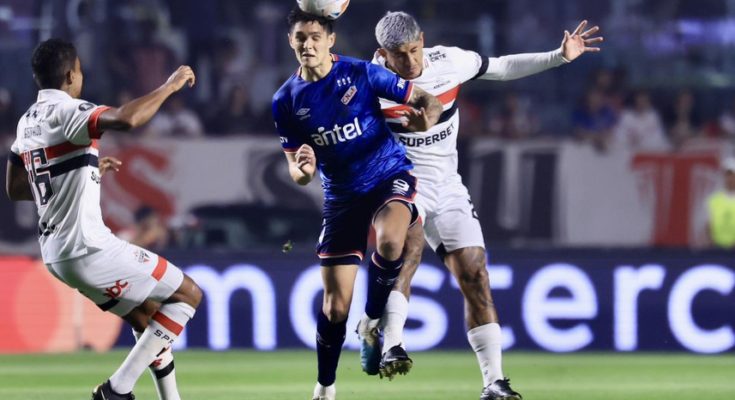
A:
(391, 222)
(120, 277)
(339, 283)
(456, 224)
(344, 235)
(394, 208)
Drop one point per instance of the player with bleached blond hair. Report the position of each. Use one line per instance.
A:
(451, 226)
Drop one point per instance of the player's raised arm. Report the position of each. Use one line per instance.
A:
(139, 111)
(425, 113)
(302, 164)
(517, 66)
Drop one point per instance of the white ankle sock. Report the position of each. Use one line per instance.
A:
(164, 328)
(486, 343)
(163, 373)
(394, 319)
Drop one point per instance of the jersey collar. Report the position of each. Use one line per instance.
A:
(52, 94)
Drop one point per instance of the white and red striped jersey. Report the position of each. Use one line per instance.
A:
(434, 152)
(56, 142)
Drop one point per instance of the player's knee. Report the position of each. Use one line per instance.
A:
(196, 295)
(336, 312)
(390, 247)
(189, 292)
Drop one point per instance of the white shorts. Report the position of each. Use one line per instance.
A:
(120, 277)
(449, 218)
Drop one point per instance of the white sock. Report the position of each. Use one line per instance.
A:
(164, 328)
(324, 392)
(163, 373)
(486, 343)
(394, 319)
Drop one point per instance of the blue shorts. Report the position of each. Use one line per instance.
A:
(346, 226)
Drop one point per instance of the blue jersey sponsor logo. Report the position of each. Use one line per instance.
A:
(338, 134)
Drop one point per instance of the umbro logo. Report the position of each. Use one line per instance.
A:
(303, 113)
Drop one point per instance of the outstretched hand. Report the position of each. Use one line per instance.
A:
(576, 43)
(182, 76)
(109, 163)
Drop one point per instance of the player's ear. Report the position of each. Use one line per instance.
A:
(332, 39)
(290, 40)
(69, 77)
(382, 52)
(421, 38)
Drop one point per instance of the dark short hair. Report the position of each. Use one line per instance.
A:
(51, 61)
(296, 16)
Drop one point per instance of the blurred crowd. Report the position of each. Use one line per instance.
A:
(663, 80)
(240, 54)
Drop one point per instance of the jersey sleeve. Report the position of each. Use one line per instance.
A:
(290, 140)
(467, 64)
(79, 121)
(388, 85)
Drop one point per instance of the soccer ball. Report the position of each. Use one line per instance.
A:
(330, 9)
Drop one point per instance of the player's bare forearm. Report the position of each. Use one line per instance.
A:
(16, 183)
(135, 113)
(139, 111)
(421, 99)
(299, 176)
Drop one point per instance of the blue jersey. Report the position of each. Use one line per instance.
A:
(339, 116)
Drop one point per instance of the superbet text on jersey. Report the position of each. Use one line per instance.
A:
(56, 142)
(434, 153)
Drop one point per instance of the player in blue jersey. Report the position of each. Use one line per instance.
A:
(328, 116)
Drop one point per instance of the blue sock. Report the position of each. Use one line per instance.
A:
(382, 274)
(329, 340)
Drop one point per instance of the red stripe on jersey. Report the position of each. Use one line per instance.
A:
(168, 323)
(61, 149)
(92, 124)
(445, 98)
(409, 92)
(160, 269)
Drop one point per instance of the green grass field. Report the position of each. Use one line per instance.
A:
(436, 375)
